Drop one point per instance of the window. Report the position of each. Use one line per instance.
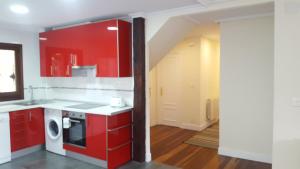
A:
(11, 72)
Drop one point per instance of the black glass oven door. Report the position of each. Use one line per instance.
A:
(77, 132)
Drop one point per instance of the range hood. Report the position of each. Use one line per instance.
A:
(84, 71)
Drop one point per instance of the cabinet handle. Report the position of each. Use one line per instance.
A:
(29, 116)
(71, 55)
(116, 129)
(120, 146)
(75, 121)
(51, 70)
(75, 59)
(68, 70)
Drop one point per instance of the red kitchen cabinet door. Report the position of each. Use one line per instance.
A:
(106, 48)
(36, 127)
(113, 48)
(45, 60)
(26, 128)
(96, 136)
(56, 54)
(18, 130)
(125, 48)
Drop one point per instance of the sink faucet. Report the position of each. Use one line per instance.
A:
(30, 88)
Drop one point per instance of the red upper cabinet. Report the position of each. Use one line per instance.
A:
(106, 45)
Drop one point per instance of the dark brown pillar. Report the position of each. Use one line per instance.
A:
(139, 111)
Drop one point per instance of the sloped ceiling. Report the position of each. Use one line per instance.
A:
(173, 31)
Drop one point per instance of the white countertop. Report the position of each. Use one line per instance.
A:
(62, 105)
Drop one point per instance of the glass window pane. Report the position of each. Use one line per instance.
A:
(7, 71)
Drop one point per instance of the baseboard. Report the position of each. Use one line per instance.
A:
(169, 123)
(87, 159)
(196, 127)
(148, 157)
(245, 155)
(27, 151)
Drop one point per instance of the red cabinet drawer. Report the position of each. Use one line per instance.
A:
(119, 120)
(119, 156)
(117, 137)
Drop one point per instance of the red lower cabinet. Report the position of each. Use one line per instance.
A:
(108, 138)
(26, 128)
(96, 136)
(119, 139)
(18, 130)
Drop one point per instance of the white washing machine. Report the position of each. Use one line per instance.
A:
(54, 131)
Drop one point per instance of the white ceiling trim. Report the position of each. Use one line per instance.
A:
(210, 2)
(244, 17)
(189, 18)
(194, 9)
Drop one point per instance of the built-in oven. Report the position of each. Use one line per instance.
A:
(74, 128)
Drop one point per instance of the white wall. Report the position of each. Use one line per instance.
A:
(286, 140)
(197, 76)
(153, 96)
(31, 56)
(246, 101)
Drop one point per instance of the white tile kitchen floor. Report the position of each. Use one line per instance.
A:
(46, 160)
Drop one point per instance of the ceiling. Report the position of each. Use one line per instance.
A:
(207, 23)
(45, 13)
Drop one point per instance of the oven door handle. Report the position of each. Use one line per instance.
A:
(75, 121)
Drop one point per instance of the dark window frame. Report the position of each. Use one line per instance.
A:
(19, 93)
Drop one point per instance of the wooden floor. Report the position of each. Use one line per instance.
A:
(167, 147)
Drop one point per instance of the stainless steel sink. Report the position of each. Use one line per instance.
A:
(32, 102)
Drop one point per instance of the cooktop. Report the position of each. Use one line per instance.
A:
(85, 106)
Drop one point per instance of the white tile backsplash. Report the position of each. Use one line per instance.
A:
(87, 89)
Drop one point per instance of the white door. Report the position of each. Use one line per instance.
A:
(168, 91)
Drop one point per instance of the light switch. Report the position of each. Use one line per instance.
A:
(296, 101)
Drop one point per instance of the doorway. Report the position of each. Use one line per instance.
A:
(184, 96)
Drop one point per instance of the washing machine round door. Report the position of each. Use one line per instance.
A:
(53, 129)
